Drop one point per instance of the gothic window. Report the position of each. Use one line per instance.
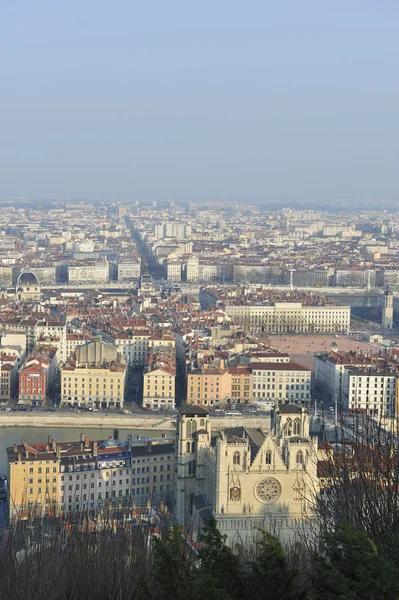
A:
(194, 426)
(297, 427)
(202, 423)
(299, 457)
(188, 429)
(236, 458)
(268, 457)
(193, 449)
(188, 447)
(288, 428)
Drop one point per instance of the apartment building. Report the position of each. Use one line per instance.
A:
(172, 229)
(8, 377)
(129, 269)
(174, 269)
(73, 341)
(370, 391)
(208, 385)
(240, 383)
(78, 476)
(97, 272)
(192, 269)
(159, 387)
(94, 377)
(153, 472)
(37, 375)
(330, 370)
(134, 348)
(281, 382)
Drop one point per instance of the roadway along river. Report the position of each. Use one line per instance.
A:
(14, 435)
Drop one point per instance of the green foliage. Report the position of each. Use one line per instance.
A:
(351, 568)
(269, 576)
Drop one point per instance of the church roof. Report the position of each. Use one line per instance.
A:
(194, 410)
(200, 431)
(290, 409)
(254, 436)
(297, 440)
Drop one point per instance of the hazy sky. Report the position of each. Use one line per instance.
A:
(218, 99)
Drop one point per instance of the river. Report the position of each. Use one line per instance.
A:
(14, 435)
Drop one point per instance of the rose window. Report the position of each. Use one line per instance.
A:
(268, 490)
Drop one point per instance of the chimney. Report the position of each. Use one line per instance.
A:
(58, 452)
(87, 441)
(95, 447)
(53, 444)
(15, 448)
(149, 447)
(82, 437)
(129, 442)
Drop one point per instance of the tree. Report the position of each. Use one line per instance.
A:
(219, 566)
(174, 568)
(269, 575)
(351, 567)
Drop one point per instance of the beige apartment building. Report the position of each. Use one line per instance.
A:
(240, 383)
(95, 377)
(52, 477)
(159, 379)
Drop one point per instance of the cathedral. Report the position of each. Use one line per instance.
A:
(246, 478)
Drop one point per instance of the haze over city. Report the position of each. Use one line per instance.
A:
(263, 101)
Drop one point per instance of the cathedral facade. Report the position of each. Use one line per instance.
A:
(246, 478)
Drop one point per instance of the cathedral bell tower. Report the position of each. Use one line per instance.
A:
(193, 441)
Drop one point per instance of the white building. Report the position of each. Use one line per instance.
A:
(172, 229)
(247, 479)
(192, 269)
(129, 269)
(287, 317)
(89, 273)
(281, 382)
(329, 374)
(370, 392)
(173, 269)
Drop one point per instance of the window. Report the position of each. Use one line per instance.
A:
(268, 457)
(299, 457)
(236, 458)
(297, 426)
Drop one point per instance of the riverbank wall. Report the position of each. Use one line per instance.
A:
(95, 421)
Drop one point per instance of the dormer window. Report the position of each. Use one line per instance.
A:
(236, 458)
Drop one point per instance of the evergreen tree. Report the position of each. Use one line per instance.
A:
(174, 569)
(352, 568)
(219, 564)
(269, 575)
